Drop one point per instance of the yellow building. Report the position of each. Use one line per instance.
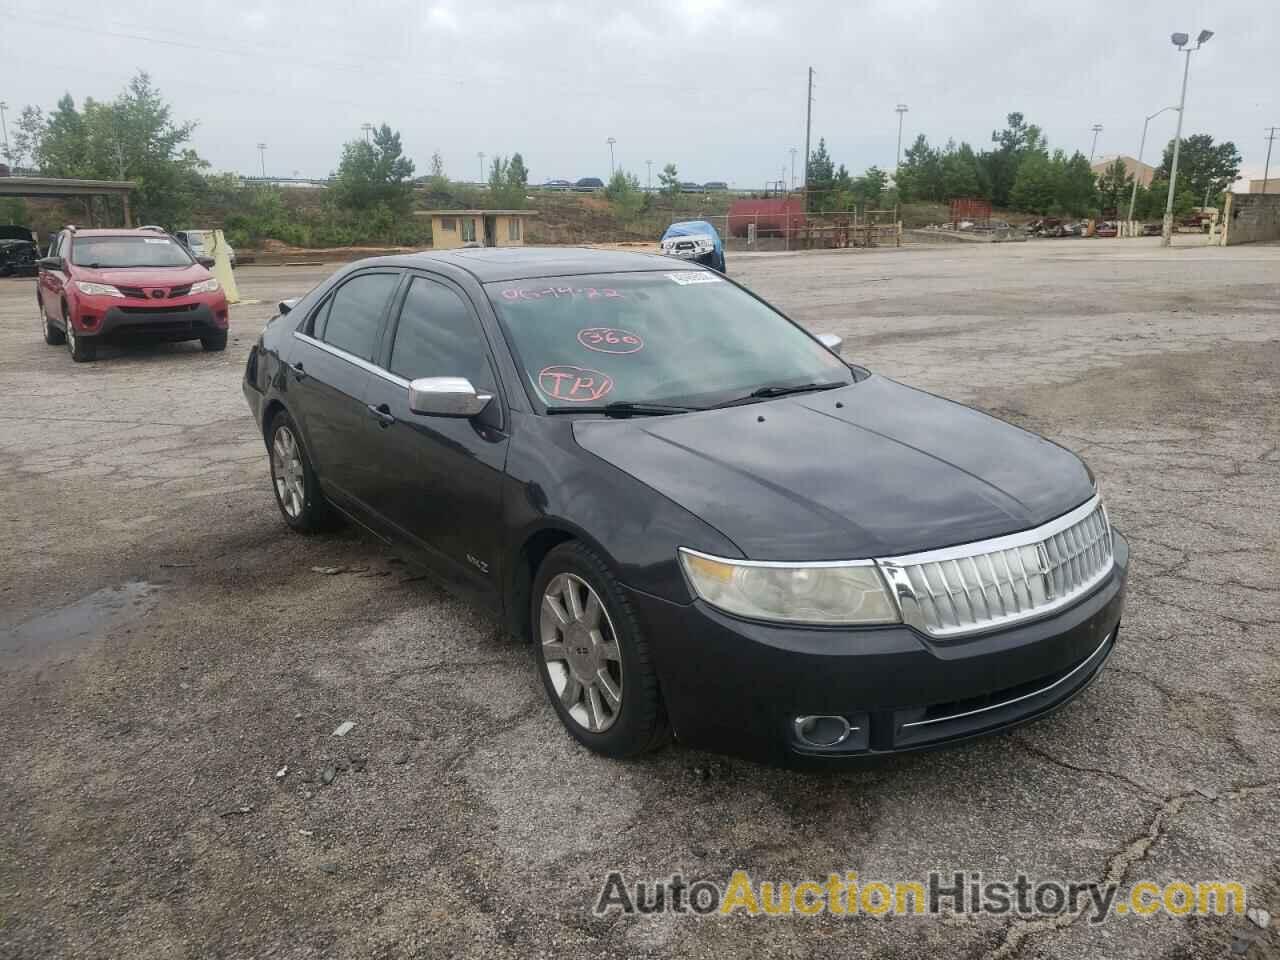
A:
(451, 229)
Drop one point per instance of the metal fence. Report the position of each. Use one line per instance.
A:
(806, 231)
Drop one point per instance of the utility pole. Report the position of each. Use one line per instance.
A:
(480, 157)
(808, 130)
(262, 159)
(1133, 196)
(368, 129)
(611, 141)
(901, 109)
(793, 168)
(649, 187)
(4, 126)
(1097, 129)
(1266, 171)
(1179, 40)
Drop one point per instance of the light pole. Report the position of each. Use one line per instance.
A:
(1133, 196)
(4, 126)
(1097, 129)
(611, 141)
(900, 109)
(793, 168)
(368, 129)
(480, 157)
(649, 187)
(1266, 171)
(262, 159)
(1180, 41)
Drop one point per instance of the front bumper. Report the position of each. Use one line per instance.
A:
(186, 319)
(735, 686)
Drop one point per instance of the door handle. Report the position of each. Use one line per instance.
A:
(299, 371)
(382, 413)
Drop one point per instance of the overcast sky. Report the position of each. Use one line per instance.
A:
(716, 86)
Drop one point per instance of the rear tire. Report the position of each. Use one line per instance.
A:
(593, 659)
(293, 480)
(82, 350)
(215, 342)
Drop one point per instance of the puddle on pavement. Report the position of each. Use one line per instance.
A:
(61, 633)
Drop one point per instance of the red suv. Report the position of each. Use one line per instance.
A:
(117, 284)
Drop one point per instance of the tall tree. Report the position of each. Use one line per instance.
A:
(133, 137)
(1203, 167)
(1000, 166)
(1115, 186)
(669, 179)
(375, 174)
(822, 175)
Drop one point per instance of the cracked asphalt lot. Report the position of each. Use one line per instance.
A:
(167, 650)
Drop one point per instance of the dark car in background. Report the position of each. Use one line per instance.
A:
(100, 285)
(589, 183)
(704, 520)
(18, 253)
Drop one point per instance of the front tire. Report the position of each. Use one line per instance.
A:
(293, 480)
(593, 659)
(82, 350)
(52, 335)
(215, 342)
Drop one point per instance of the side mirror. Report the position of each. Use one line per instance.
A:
(206, 262)
(831, 342)
(50, 263)
(284, 306)
(446, 397)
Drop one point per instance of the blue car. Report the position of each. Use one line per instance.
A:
(694, 240)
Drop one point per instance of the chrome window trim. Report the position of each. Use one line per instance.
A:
(1026, 696)
(351, 358)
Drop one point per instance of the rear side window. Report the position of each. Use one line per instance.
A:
(355, 313)
(438, 336)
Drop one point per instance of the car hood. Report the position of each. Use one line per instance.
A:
(890, 471)
(145, 276)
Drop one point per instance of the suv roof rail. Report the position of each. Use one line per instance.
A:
(153, 228)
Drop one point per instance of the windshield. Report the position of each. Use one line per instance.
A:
(123, 251)
(689, 338)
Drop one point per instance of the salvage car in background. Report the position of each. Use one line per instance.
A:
(99, 285)
(694, 240)
(702, 518)
(18, 252)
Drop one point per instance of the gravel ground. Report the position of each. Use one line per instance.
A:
(167, 651)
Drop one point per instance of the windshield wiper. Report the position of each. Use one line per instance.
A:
(627, 408)
(779, 390)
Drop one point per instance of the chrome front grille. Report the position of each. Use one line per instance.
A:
(977, 586)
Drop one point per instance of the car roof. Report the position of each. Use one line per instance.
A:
(488, 264)
(103, 232)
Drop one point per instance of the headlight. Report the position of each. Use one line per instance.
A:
(830, 593)
(97, 289)
(205, 286)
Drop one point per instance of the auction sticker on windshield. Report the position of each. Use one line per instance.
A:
(694, 276)
(610, 340)
(573, 384)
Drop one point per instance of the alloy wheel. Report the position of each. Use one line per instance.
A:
(287, 472)
(581, 652)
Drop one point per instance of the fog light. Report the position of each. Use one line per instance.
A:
(822, 731)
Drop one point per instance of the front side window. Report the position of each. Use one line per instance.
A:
(688, 338)
(120, 252)
(438, 336)
(355, 313)
(468, 228)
